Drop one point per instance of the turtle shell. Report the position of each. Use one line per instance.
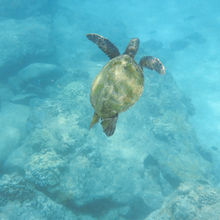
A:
(118, 86)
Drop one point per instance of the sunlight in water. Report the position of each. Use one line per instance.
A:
(153, 152)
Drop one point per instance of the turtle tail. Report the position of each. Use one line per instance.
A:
(109, 125)
(94, 120)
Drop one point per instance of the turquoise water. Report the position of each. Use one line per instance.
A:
(162, 162)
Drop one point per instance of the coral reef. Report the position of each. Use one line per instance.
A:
(20, 200)
(91, 175)
(53, 166)
(14, 188)
(44, 168)
(191, 201)
(84, 172)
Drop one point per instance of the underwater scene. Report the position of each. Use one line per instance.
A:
(109, 110)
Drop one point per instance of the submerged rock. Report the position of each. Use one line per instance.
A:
(192, 202)
(23, 99)
(14, 188)
(5, 94)
(43, 169)
(20, 200)
(104, 175)
(13, 119)
(35, 77)
(153, 151)
(23, 42)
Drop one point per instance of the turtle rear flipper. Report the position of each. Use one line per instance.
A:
(109, 125)
(152, 63)
(104, 44)
(132, 47)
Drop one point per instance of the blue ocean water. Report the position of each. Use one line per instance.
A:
(162, 162)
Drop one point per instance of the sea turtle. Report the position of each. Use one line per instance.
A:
(120, 82)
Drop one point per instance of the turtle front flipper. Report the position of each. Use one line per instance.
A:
(132, 47)
(104, 44)
(152, 63)
(109, 125)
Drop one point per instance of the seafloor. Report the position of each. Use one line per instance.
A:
(163, 161)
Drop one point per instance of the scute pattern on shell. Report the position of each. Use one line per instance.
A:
(118, 86)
